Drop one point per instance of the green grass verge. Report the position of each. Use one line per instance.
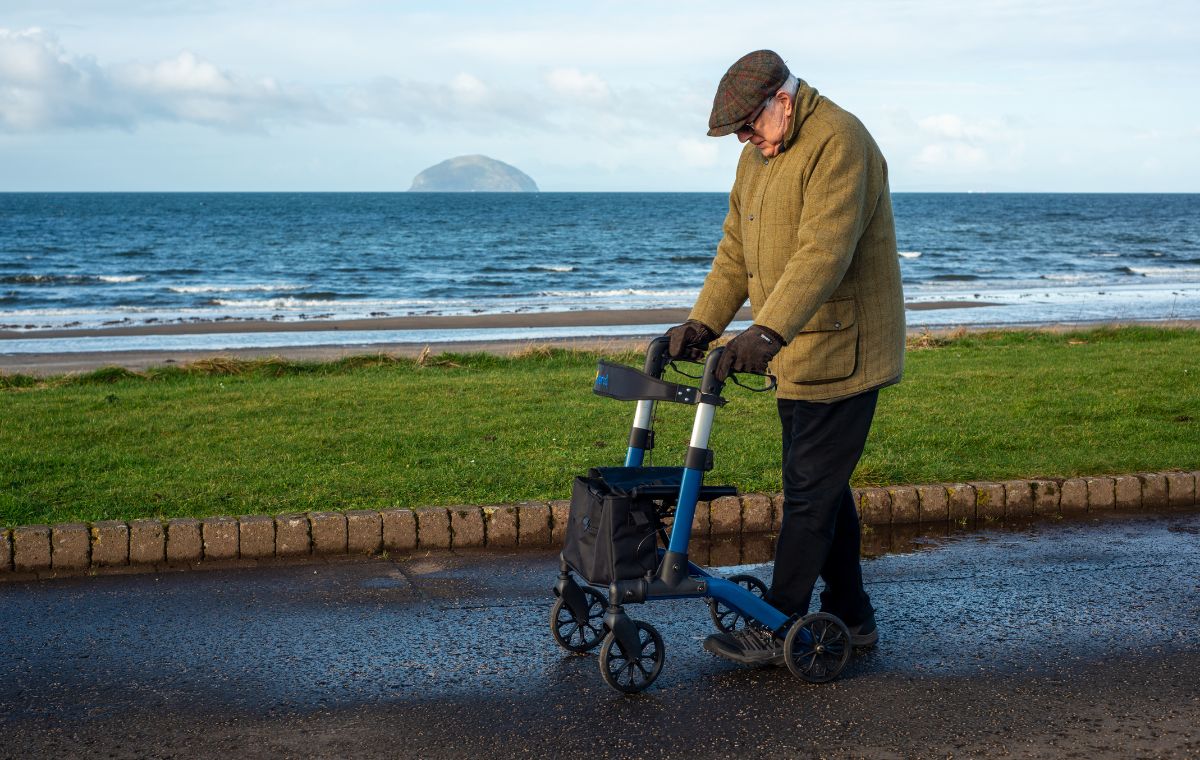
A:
(228, 437)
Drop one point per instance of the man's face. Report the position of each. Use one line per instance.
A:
(767, 130)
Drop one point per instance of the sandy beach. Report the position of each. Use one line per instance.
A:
(81, 361)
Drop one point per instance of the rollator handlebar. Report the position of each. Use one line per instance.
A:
(658, 358)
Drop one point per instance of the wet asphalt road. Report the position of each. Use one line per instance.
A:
(1072, 639)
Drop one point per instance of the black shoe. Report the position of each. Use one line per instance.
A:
(749, 646)
(865, 634)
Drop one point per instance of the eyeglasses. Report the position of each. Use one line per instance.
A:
(747, 130)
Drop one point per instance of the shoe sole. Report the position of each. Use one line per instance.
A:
(743, 659)
(865, 641)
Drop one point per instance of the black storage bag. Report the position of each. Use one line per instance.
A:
(610, 535)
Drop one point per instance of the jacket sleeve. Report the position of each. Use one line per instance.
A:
(835, 213)
(725, 288)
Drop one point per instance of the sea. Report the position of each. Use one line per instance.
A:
(88, 260)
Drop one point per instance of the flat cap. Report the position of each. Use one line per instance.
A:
(751, 80)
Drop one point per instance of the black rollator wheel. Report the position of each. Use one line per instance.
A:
(632, 672)
(576, 635)
(817, 647)
(726, 619)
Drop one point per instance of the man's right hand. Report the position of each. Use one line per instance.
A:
(690, 340)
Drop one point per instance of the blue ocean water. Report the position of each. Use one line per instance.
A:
(94, 259)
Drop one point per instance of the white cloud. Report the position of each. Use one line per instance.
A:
(43, 87)
(952, 156)
(953, 144)
(698, 154)
(574, 83)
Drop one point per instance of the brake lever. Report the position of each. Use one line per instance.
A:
(771, 385)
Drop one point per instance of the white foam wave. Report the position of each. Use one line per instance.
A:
(553, 268)
(119, 278)
(264, 288)
(615, 293)
(910, 254)
(1072, 278)
(1166, 271)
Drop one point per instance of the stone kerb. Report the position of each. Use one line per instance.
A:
(70, 547)
(183, 540)
(292, 538)
(220, 536)
(433, 528)
(934, 503)
(1046, 494)
(756, 513)
(725, 515)
(364, 532)
(466, 527)
(110, 543)
(962, 501)
(147, 542)
(906, 504)
(1154, 490)
(875, 506)
(400, 530)
(73, 548)
(31, 548)
(534, 525)
(1181, 489)
(328, 532)
(1101, 494)
(502, 525)
(1018, 498)
(256, 536)
(1127, 489)
(560, 513)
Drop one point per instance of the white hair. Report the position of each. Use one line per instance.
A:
(791, 86)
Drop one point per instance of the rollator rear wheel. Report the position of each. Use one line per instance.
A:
(631, 672)
(579, 635)
(728, 620)
(817, 647)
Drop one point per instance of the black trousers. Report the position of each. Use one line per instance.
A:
(820, 536)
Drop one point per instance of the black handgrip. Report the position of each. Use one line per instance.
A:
(658, 355)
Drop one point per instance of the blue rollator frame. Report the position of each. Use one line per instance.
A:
(816, 647)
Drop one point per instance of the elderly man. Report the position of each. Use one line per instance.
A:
(809, 239)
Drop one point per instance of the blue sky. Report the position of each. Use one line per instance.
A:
(994, 95)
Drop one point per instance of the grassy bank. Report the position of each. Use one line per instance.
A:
(269, 437)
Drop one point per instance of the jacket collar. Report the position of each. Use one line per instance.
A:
(807, 99)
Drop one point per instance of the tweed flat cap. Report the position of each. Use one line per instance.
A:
(751, 80)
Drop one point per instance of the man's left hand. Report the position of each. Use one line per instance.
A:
(749, 351)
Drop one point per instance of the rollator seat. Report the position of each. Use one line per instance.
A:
(653, 482)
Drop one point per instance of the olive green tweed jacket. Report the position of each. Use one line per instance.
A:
(810, 240)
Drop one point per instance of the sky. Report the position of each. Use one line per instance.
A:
(304, 95)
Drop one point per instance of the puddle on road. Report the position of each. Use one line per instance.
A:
(733, 552)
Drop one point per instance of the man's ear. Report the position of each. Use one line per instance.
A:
(786, 101)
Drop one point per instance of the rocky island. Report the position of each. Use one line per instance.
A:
(473, 174)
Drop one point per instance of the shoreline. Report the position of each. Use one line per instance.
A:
(60, 363)
(232, 325)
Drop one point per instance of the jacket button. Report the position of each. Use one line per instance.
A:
(752, 217)
(751, 275)
(837, 325)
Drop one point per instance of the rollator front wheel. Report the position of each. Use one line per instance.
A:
(728, 620)
(575, 635)
(817, 647)
(631, 672)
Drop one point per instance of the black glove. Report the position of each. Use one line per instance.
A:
(689, 340)
(749, 351)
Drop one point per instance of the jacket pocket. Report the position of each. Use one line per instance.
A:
(826, 348)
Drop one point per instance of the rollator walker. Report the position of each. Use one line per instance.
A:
(617, 521)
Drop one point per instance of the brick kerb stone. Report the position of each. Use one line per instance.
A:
(113, 545)
(110, 543)
(70, 547)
